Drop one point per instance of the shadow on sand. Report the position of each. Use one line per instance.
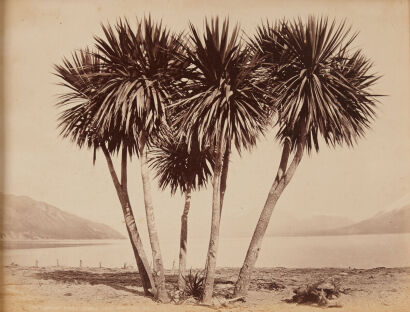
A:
(126, 281)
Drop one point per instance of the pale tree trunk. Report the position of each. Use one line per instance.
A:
(183, 240)
(224, 174)
(282, 179)
(133, 234)
(158, 267)
(224, 177)
(215, 224)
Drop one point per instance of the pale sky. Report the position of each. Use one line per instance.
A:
(356, 183)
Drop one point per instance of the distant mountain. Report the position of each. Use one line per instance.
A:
(25, 218)
(282, 223)
(393, 221)
(293, 226)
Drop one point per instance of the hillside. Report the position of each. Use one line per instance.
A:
(305, 226)
(282, 223)
(25, 218)
(393, 221)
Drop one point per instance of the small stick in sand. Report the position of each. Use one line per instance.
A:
(242, 298)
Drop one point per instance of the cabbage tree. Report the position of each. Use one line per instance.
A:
(222, 108)
(80, 77)
(138, 65)
(183, 169)
(321, 91)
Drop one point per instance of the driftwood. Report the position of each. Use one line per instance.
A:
(319, 293)
(242, 299)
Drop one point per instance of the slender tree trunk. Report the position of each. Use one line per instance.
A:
(215, 223)
(146, 276)
(282, 179)
(224, 177)
(158, 267)
(224, 174)
(183, 240)
(133, 234)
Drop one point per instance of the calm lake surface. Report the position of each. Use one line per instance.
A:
(356, 251)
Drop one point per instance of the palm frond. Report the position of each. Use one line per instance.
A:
(79, 75)
(83, 77)
(221, 94)
(317, 80)
(177, 166)
(140, 63)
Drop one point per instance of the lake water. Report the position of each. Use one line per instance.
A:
(356, 251)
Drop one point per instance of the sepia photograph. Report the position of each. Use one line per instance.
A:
(186, 155)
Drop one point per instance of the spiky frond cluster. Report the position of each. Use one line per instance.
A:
(177, 166)
(140, 64)
(79, 75)
(194, 284)
(317, 81)
(218, 89)
(223, 100)
(123, 91)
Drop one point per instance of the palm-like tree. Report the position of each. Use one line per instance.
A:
(321, 88)
(81, 76)
(178, 167)
(222, 107)
(138, 67)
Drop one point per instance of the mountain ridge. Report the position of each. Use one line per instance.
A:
(390, 221)
(26, 218)
(383, 222)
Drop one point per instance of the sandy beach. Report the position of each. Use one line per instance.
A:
(108, 289)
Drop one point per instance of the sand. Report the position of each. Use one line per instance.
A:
(104, 289)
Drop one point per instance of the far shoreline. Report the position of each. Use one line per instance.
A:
(53, 243)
